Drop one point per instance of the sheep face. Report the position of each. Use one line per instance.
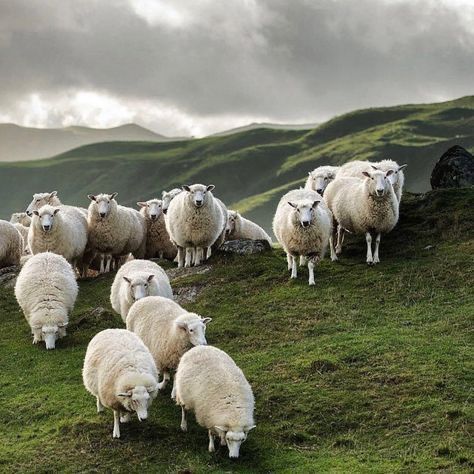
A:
(138, 400)
(198, 193)
(167, 197)
(231, 219)
(138, 286)
(103, 203)
(320, 180)
(20, 218)
(40, 200)
(395, 176)
(195, 330)
(304, 211)
(153, 208)
(234, 438)
(49, 334)
(46, 216)
(379, 181)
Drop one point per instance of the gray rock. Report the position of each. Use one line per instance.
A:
(8, 276)
(245, 247)
(455, 169)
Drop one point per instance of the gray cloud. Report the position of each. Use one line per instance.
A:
(187, 66)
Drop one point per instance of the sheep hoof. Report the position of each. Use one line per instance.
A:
(334, 258)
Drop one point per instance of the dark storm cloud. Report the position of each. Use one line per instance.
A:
(221, 60)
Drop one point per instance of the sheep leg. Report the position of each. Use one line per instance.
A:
(36, 336)
(222, 436)
(184, 423)
(102, 259)
(189, 257)
(211, 442)
(376, 252)
(311, 272)
(173, 391)
(109, 261)
(100, 407)
(180, 257)
(208, 252)
(302, 260)
(116, 433)
(198, 251)
(294, 267)
(368, 239)
(164, 382)
(340, 239)
(332, 249)
(289, 261)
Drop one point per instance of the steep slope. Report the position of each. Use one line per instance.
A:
(250, 169)
(25, 143)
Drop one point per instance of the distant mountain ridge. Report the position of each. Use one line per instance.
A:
(19, 143)
(273, 126)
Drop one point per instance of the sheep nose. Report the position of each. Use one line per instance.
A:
(320, 191)
(305, 223)
(46, 227)
(165, 211)
(153, 217)
(102, 214)
(198, 202)
(380, 192)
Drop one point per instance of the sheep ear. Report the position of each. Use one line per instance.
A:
(221, 428)
(365, 173)
(389, 172)
(185, 187)
(62, 325)
(54, 193)
(182, 325)
(91, 197)
(36, 213)
(206, 320)
(309, 173)
(374, 167)
(315, 204)
(113, 195)
(210, 187)
(127, 279)
(292, 204)
(402, 167)
(56, 211)
(150, 277)
(141, 204)
(122, 394)
(250, 428)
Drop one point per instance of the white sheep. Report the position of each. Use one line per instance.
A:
(355, 169)
(135, 280)
(195, 220)
(11, 245)
(158, 243)
(20, 218)
(46, 290)
(52, 199)
(54, 230)
(368, 206)
(23, 230)
(167, 197)
(209, 382)
(114, 230)
(168, 330)
(119, 371)
(303, 226)
(320, 177)
(239, 227)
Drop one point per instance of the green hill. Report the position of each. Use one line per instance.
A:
(250, 169)
(369, 371)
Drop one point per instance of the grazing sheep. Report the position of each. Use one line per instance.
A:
(114, 230)
(11, 245)
(20, 218)
(135, 280)
(23, 230)
(195, 220)
(320, 177)
(167, 197)
(119, 371)
(368, 206)
(239, 227)
(168, 330)
(209, 382)
(158, 243)
(46, 291)
(53, 230)
(303, 226)
(355, 169)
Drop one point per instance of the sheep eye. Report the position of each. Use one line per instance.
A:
(191, 330)
(146, 285)
(38, 200)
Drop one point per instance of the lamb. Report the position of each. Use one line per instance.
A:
(195, 220)
(135, 280)
(168, 330)
(158, 243)
(114, 230)
(209, 382)
(11, 245)
(303, 226)
(167, 197)
(320, 177)
(354, 169)
(368, 206)
(20, 218)
(46, 290)
(239, 227)
(57, 231)
(119, 371)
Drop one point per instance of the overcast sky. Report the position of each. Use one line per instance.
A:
(193, 67)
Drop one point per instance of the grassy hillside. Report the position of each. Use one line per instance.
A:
(250, 169)
(369, 371)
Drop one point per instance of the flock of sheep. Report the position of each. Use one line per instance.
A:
(54, 243)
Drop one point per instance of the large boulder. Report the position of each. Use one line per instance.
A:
(455, 169)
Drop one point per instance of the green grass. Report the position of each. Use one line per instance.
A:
(249, 168)
(369, 371)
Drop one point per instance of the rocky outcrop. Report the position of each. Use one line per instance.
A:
(455, 169)
(244, 247)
